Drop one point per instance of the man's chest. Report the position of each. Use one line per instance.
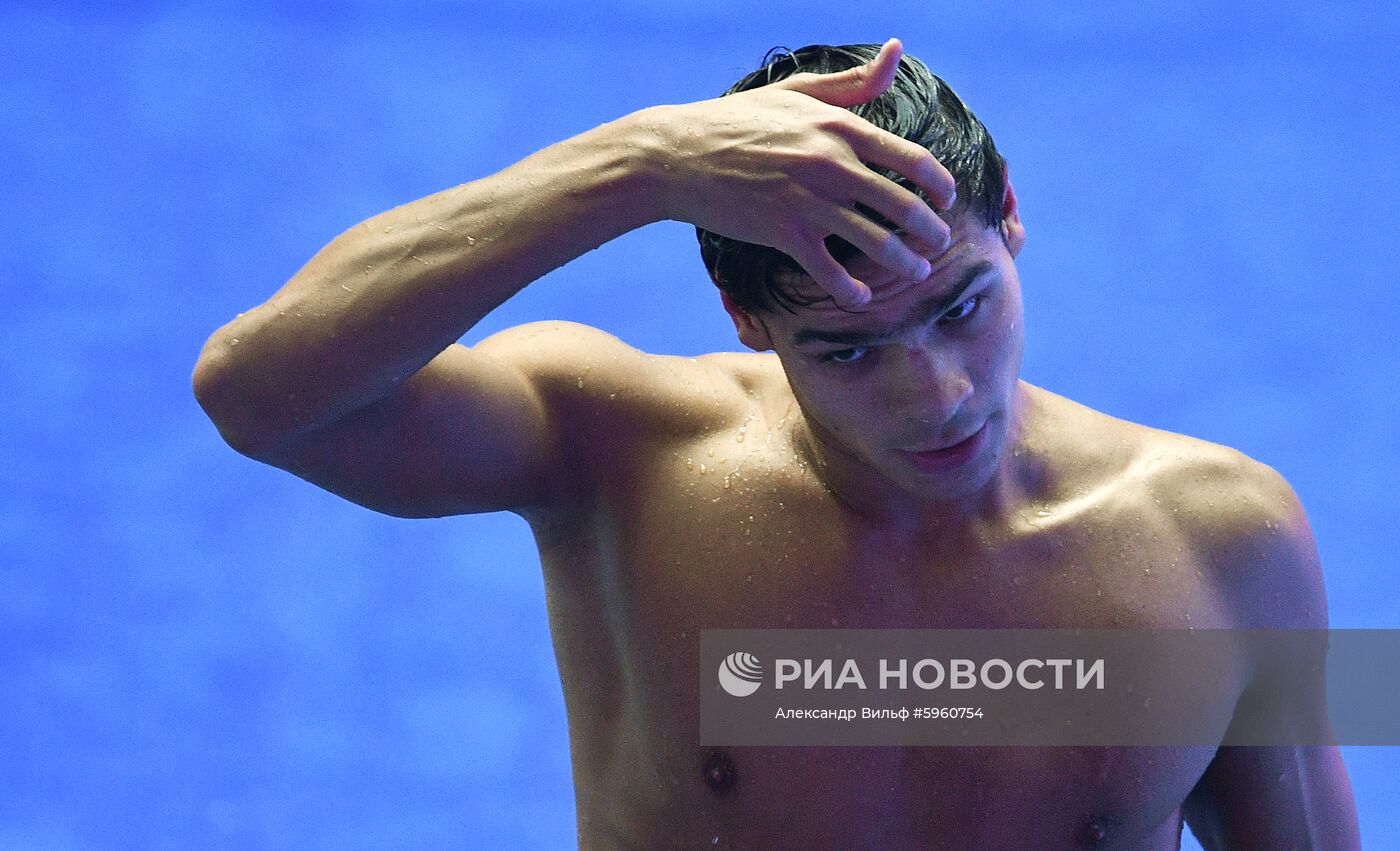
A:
(724, 548)
(730, 546)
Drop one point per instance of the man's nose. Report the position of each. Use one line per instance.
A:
(927, 385)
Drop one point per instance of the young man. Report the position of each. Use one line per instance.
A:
(876, 463)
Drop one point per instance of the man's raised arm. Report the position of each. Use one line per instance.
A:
(349, 375)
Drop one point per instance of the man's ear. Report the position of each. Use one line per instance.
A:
(1014, 231)
(752, 333)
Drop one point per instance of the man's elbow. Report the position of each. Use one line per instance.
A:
(218, 388)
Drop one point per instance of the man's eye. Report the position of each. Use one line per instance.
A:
(846, 355)
(963, 310)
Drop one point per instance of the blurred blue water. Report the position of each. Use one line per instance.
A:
(200, 652)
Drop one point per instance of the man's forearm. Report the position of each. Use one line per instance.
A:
(385, 297)
(780, 166)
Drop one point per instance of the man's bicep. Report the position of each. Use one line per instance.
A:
(1281, 796)
(522, 421)
(1274, 797)
(465, 434)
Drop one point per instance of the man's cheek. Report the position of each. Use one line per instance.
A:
(860, 426)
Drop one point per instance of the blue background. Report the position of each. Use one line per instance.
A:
(198, 651)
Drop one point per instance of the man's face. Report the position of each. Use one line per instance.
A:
(925, 365)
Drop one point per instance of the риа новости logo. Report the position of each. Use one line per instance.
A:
(740, 673)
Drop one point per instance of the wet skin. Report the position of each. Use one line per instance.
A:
(754, 540)
(775, 490)
(787, 487)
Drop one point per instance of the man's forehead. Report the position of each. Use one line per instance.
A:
(875, 327)
(948, 270)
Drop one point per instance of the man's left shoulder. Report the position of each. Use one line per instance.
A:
(1246, 524)
(1215, 487)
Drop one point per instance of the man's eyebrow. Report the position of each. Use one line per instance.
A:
(926, 310)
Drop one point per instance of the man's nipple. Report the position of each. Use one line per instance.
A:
(1095, 832)
(719, 773)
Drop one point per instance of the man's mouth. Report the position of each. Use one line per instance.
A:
(948, 457)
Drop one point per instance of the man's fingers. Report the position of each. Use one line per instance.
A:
(853, 86)
(880, 245)
(873, 145)
(886, 150)
(813, 256)
(902, 207)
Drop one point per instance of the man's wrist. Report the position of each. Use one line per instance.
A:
(648, 168)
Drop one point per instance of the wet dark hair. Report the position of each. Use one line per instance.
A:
(919, 107)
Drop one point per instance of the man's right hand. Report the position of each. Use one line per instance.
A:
(784, 166)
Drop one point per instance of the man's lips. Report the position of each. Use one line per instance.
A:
(948, 457)
(951, 446)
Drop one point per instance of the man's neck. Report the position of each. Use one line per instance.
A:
(872, 496)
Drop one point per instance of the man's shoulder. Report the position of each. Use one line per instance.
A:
(593, 375)
(1197, 477)
(1217, 489)
(1241, 518)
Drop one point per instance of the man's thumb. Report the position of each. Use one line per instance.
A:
(853, 86)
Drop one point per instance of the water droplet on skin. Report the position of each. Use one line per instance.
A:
(1042, 513)
(1096, 832)
(702, 468)
(1147, 571)
(580, 383)
(233, 342)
